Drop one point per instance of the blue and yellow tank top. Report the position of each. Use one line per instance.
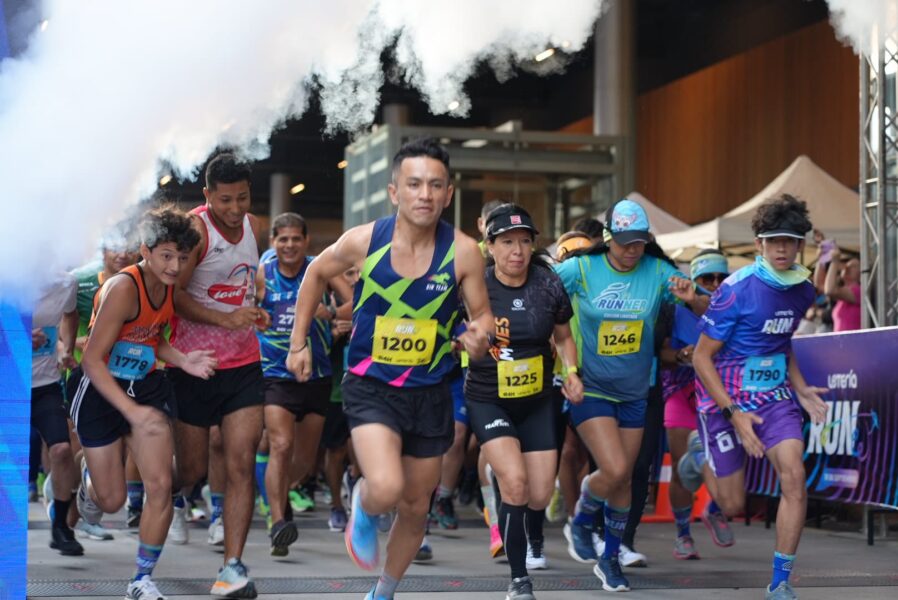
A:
(280, 302)
(402, 328)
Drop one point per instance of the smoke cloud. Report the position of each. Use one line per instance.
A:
(108, 90)
(864, 23)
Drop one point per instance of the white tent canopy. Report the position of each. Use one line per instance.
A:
(834, 208)
(660, 221)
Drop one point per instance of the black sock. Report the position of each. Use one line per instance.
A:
(535, 520)
(512, 527)
(60, 512)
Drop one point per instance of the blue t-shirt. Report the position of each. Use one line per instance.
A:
(617, 313)
(274, 342)
(755, 321)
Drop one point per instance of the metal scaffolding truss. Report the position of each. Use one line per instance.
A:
(879, 184)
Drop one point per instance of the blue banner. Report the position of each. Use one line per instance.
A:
(853, 456)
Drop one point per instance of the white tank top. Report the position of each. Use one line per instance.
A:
(224, 280)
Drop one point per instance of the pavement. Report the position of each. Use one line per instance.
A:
(831, 564)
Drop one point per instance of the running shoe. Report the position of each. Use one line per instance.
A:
(425, 551)
(93, 532)
(536, 560)
(580, 542)
(143, 589)
(262, 507)
(338, 519)
(717, 524)
(47, 490)
(348, 483)
(783, 591)
(467, 489)
(300, 502)
(609, 573)
(40, 481)
(689, 467)
(88, 509)
(520, 588)
(445, 513)
(233, 581)
(385, 522)
(216, 532)
(177, 531)
(361, 535)
(684, 548)
(63, 539)
(629, 557)
(283, 533)
(497, 548)
(555, 512)
(48, 498)
(133, 520)
(370, 595)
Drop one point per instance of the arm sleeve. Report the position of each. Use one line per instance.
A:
(569, 274)
(668, 271)
(562, 302)
(720, 319)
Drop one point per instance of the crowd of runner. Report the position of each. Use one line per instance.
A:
(408, 365)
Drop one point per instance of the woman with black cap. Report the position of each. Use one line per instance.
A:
(509, 393)
(617, 287)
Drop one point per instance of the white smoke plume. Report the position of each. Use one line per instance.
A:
(109, 89)
(864, 24)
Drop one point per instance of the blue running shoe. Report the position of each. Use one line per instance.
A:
(609, 573)
(783, 591)
(361, 534)
(234, 582)
(370, 595)
(580, 542)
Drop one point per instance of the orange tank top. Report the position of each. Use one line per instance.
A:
(133, 354)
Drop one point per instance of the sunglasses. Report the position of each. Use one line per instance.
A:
(713, 278)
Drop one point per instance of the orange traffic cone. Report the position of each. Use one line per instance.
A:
(663, 511)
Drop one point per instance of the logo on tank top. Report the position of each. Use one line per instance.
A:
(438, 282)
(234, 293)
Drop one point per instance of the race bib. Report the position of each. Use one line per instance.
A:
(619, 337)
(403, 342)
(131, 361)
(764, 373)
(519, 378)
(49, 347)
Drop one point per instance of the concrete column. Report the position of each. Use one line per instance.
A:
(614, 87)
(280, 194)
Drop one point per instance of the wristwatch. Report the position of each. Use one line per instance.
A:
(729, 411)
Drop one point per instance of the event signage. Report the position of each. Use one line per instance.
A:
(853, 456)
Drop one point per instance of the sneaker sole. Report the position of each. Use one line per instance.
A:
(247, 591)
(279, 551)
(498, 551)
(537, 566)
(347, 539)
(67, 552)
(713, 533)
(598, 573)
(636, 564)
(573, 552)
(693, 556)
(285, 536)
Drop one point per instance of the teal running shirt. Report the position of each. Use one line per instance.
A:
(617, 313)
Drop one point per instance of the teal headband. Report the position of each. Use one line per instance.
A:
(708, 263)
